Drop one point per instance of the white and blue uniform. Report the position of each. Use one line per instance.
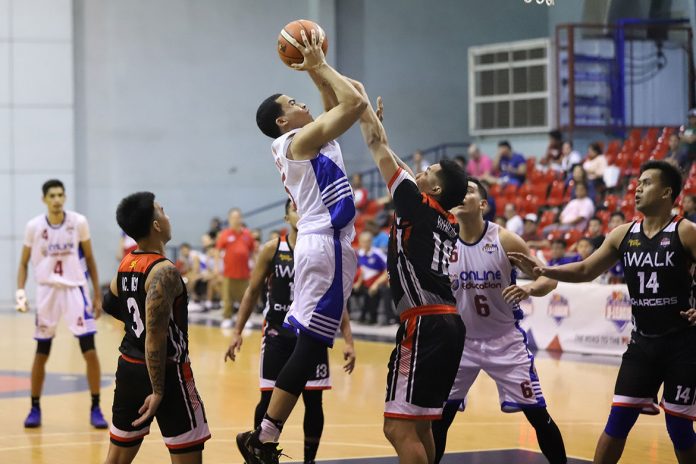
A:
(495, 342)
(325, 262)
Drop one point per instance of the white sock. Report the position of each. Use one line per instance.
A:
(269, 432)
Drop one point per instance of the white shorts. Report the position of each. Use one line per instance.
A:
(506, 360)
(324, 270)
(72, 303)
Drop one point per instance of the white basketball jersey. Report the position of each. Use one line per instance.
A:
(55, 250)
(319, 188)
(479, 272)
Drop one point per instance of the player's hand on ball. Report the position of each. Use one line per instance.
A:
(148, 409)
(235, 345)
(349, 357)
(312, 52)
(527, 264)
(21, 303)
(689, 315)
(514, 294)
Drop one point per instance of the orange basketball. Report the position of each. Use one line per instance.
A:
(290, 37)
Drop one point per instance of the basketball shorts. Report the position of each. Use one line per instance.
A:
(180, 416)
(324, 269)
(71, 303)
(650, 362)
(424, 363)
(275, 352)
(509, 363)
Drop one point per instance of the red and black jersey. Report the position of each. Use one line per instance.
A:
(421, 241)
(132, 274)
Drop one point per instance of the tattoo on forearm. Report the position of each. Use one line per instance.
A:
(165, 286)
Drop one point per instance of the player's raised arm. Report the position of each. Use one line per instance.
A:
(330, 125)
(259, 274)
(583, 271)
(163, 285)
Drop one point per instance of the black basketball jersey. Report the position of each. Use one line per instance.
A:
(421, 241)
(132, 274)
(658, 273)
(280, 287)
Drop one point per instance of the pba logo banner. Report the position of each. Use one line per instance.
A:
(558, 308)
(618, 309)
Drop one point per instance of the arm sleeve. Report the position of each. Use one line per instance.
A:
(83, 229)
(408, 200)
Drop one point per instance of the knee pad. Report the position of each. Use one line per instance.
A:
(621, 420)
(681, 432)
(43, 346)
(87, 343)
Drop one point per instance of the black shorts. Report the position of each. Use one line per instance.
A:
(424, 364)
(650, 362)
(275, 352)
(180, 416)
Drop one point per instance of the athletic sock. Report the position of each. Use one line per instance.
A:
(270, 429)
(35, 402)
(95, 401)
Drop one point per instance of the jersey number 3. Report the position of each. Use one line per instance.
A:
(138, 326)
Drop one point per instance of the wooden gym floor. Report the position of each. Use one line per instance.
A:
(578, 392)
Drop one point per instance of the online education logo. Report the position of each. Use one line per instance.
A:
(618, 310)
(558, 308)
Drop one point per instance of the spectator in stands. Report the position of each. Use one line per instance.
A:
(552, 157)
(511, 167)
(585, 248)
(579, 176)
(360, 193)
(372, 277)
(501, 221)
(594, 232)
(615, 275)
(460, 160)
(615, 220)
(689, 206)
(570, 157)
(489, 212)
(558, 253)
(238, 246)
(514, 221)
(688, 137)
(576, 213)
(479, 165)
(595, 164)
(419, 163)
(531, 234)
(381, 238)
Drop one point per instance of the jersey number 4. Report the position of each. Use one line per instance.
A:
(58, 268)
(652, 282)
(138, 326)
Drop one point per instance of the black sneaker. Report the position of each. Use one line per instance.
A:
(255, 452)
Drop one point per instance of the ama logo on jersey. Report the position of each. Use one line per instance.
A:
(558, 308)
(618, 309)
(490, 248)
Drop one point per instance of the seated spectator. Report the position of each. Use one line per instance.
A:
(479, 165)
(552, 157)
(576, 213)
(419, 163)
(689, 206)
(531, 234)
(360, 194)
(615, 220)
(569, 158)
(595, 164)
(511, 167)
(677, 154)
(579, 176)
(381, 238)
(585, 248)
(688, 137)
(594, 232)
(558, 254)
(372, 277)
(501, 221)
(514, 221)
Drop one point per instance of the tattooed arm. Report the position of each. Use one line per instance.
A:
(163, 285)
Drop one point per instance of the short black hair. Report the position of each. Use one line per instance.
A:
(569, 142)
(51, 183)
(481, 188)
(595, 218)
(453, 182)
(586, 239)
(596, 147)
(620, 214)
(669, 175)
(556, 135)
(184, 245)
(559, 241)
(269, 110)
(504, 143)
(135, 214)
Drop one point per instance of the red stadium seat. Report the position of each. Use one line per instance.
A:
(572, 236)
(547, 219)
(510, 192)
(611, 202)
(495, 190)
(556, 194)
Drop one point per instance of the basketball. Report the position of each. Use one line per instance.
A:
(290, 36)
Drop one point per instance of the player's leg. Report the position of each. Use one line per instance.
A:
(408, 440)
(275, 352)
(637, 383)
(226, 302)
(189, 456)
(548, 435)
(313, 424)
(122, 454)
(441, 427)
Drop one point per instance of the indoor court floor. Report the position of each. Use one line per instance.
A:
(577, 389)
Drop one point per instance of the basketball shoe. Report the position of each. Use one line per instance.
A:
(255, 452)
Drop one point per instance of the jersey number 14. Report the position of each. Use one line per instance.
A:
(652, 282)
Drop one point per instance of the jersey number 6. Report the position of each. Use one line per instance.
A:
(482, 309)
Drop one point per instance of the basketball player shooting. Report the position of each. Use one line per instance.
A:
(657, 254)
(311, 167)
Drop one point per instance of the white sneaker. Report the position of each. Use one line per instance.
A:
(195, 307)
(226, 324)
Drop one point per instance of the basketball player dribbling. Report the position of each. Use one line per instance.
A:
(56, 242)
(275, 265)
(484, 284)
(658, 253)
(430, 339)
(311, 166)
(153, 377)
